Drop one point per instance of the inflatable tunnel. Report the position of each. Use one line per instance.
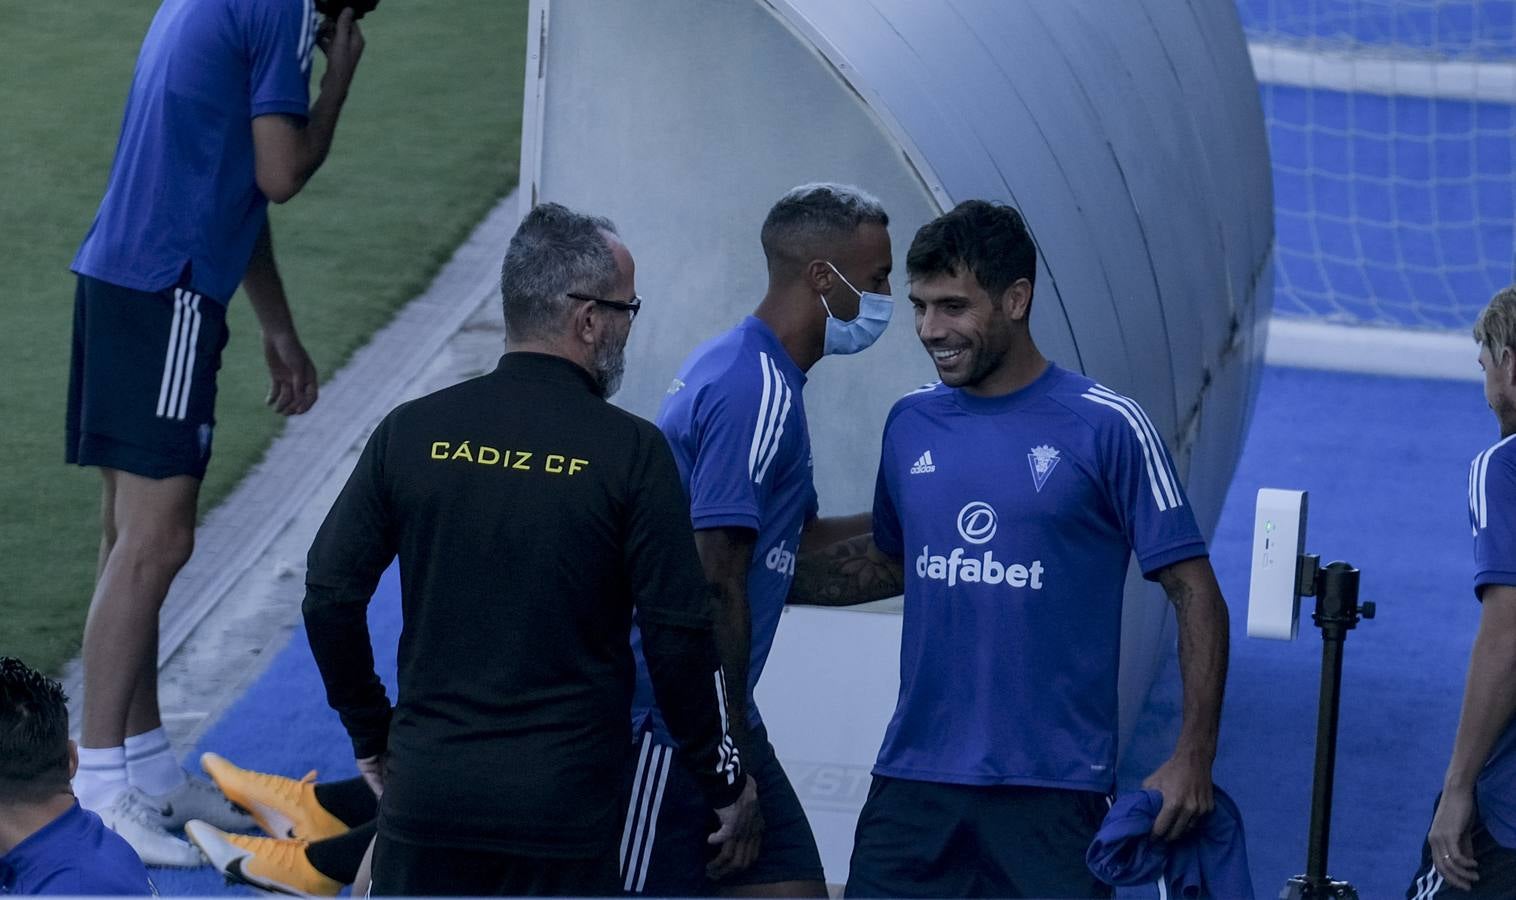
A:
(1129, 134)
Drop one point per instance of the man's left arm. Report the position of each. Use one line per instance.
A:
(350, 552)
(292, 375)
(820, 534)
(1489, 701)
(1204, 634)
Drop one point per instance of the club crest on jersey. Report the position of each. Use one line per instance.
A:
(1043, 460)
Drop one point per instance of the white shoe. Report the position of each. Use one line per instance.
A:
(199, 799)
(270, 865)
(132, 817)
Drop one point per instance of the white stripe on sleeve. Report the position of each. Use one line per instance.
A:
(1147, 453)
(763, 412)
(774, 388)
(1161, 461)
(784, 416)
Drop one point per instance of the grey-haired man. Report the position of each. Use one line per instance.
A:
(530, 518)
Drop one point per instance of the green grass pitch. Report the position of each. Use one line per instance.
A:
(428, 142)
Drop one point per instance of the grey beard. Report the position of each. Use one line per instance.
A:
(610, 365)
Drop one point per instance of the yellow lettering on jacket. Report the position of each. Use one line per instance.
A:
(516, 460)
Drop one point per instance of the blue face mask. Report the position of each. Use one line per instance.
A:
(862, 330)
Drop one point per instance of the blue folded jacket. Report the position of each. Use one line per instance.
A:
(1210, 861)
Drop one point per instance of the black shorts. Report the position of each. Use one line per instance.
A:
(142, 384)
(1497, 872)
(928, 839)
(663, 842)
(412, 870)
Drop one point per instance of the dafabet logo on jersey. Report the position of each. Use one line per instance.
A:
(780, 559)
(977, 524)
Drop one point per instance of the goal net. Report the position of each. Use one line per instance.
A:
(1392, 128)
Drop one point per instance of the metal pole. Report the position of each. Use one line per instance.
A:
(1326, 759)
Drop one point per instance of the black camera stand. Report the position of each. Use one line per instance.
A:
(1337, 612)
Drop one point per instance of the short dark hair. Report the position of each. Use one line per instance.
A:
(554, 252)
(991, 239)
(804, 223)
(33, 733)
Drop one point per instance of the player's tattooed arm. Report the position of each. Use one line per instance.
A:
(1185, 779)
(845, 573)
(725, 555)
(1203, 643)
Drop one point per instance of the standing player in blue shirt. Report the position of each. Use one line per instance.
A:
(1470, 850)
(1010, 497)
(736, 421)
(218, 122)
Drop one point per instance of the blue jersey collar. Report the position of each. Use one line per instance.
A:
(1015, 399)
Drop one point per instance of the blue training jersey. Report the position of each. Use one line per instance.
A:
(736, 422)
(1492, 514)
(182, 198)
(1015, 517)
(74, 855)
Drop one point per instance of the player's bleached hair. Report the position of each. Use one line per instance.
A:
(556, 251)
(33, 734)
(1495, 329)
(808, 220)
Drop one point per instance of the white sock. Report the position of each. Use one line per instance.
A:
(151, 766)
(101, 776)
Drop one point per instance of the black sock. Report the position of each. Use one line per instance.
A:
(351, 800)
(338, 858)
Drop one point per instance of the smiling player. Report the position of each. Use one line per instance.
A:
(1009, 500)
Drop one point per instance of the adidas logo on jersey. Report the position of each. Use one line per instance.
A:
(924, 464)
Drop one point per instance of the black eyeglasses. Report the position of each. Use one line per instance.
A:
(632, 307)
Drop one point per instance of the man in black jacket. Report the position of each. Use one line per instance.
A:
(531, 518)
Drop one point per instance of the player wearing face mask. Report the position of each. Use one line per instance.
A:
(735, 418)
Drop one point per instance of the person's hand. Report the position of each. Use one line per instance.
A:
(372, 770)
(292, 375)
(1451, 839)
(740, 835)
(1185, 783)
(342, 41)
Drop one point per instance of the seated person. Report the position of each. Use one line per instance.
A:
(49, 844)
(318, 833)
